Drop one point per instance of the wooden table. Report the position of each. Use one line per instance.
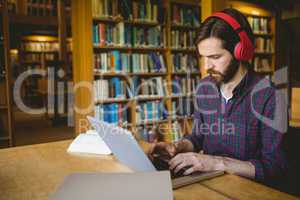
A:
(34, 172)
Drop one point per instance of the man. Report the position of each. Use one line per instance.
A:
(229, 132)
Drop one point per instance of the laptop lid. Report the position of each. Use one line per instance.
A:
(123, 145)
(127, 186)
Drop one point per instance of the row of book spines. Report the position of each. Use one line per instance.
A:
(183, 107)
(121, 35)
(175, 133)
(34, 8)
(124, 62)
(153, 86)
(185, 15)
(147, 11)
(259, 24)
(149, 111)
(101, 8)
(112, 113)
(262, 64)
(41, 9)
(38, 57)
(39, 46)
(185, 63)
(182, 85)
(116, 88)
(112, 88)
(183, 39)
(263, 45)
(43, 46)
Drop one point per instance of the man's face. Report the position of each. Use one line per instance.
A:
(218, 62)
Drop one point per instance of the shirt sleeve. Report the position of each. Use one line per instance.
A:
(270, 161)
(196, 137)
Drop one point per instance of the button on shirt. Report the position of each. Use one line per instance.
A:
(240, 128)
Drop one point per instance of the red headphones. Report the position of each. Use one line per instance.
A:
(244, 50)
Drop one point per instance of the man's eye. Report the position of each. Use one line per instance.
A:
(215, 57)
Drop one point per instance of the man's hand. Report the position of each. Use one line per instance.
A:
(170, 149)
(162, 149)
(196, 162)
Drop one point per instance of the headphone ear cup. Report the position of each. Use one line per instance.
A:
(238, 49)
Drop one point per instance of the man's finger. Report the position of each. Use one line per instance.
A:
(189, 171)
(179, 167)
(175, 161)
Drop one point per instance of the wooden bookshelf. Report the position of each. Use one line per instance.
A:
(84, 48)
(112, 100)
(17, 21)
(124, 48)
(6, 113)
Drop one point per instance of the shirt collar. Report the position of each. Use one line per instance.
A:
(244, 84)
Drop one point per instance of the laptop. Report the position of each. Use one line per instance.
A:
(126, 186)
(127, 150)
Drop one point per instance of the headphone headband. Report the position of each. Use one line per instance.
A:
(244, 50)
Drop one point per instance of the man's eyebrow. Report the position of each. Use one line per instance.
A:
(212, 55)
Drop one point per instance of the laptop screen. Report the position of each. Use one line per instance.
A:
(123, 145)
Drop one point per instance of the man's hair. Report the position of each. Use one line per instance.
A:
(218, 28)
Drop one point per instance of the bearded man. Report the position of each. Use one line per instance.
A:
(229, 132)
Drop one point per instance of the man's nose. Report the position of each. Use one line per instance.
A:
(207, 63)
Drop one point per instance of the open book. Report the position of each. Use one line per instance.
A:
(89, 142)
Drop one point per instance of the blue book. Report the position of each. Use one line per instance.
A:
(117, 61)
(156, 61)
(114, 113)
(95, 34)
(116, 86)
(149, 110)
(106, 116)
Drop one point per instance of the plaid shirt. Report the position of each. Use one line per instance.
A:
(236, 128)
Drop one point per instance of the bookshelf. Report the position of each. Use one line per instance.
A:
(26, 43)
(6, 128)
(263, 24)
(135, 53)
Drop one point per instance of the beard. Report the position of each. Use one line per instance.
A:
(225, 77)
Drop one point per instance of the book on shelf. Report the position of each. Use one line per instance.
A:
(33, 7)
(259, 25)
(39, 46)
(115, 61)
(183, 39)
(113, 88)
(184, 85)
(185, 15)
(176, 132)
(150, 111)
(185, 63)
(114, 113)
(126, 35)
(104, 8)
(136, 10)
(148, 87)
(263, 45)
(182, 107)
